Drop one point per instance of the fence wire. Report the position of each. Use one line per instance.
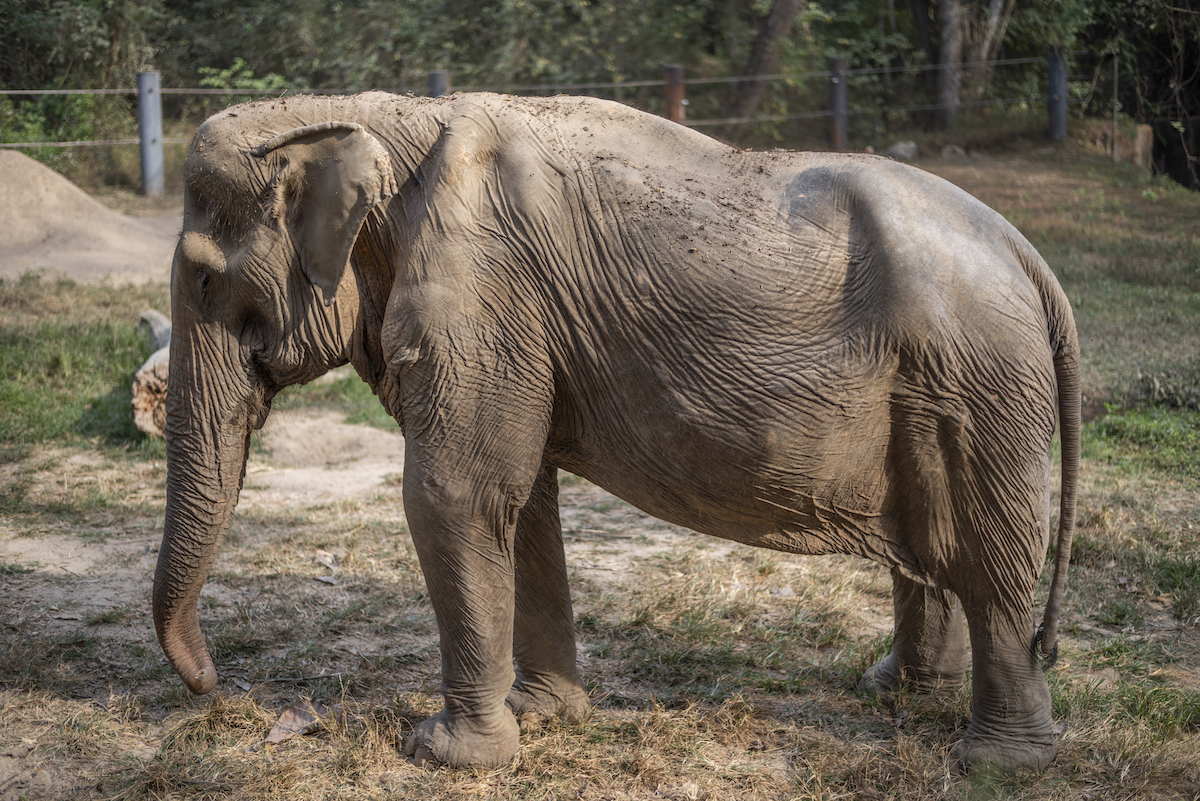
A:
(616, 87)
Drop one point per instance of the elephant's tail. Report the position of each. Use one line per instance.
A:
(1064, 339)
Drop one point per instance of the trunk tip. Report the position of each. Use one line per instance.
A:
(202, 681)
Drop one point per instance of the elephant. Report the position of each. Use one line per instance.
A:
(811, 352)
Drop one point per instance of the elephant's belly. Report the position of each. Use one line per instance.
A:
(775, 487)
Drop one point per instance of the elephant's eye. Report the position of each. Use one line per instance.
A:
(203, 279)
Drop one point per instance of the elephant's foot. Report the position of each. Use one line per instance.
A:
(533, 704)
(889, 675)
(462, 742)
(1004, 755)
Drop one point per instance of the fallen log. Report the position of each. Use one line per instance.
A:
(150, 382)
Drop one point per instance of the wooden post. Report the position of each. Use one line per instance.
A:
(673, 94)
(439, 83)
(1058, 95)
(150, 133)
(839, 138)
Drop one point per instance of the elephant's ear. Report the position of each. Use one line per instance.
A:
(334, 174)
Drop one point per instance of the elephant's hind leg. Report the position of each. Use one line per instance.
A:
(547, 680)
(929, 648)
(1003, 521)
(1011, 726)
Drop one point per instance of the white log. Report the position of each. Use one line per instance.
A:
(157, 328)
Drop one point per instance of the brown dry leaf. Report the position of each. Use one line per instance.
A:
(1161, 602)
(329, 560)
(303, 717)
(328, 579)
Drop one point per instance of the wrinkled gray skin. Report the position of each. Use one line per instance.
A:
(808, 352)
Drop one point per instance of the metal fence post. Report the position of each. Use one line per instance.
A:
(673, 94)
(439, 83)
(150, 132)
(1058, 95)
(839, 139)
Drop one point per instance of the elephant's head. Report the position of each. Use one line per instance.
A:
(258, 302)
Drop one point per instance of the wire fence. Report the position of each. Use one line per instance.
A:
(876, 100)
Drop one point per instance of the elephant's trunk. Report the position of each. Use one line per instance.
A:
(207, 441)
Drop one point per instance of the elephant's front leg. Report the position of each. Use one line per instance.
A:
(929, 648)
(548, 683)
(471, 461)
(464, 541)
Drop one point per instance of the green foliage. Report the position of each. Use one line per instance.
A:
(92, 44)
(863, 34)
(1035, 26)
(1160, 43)
(67, 118)
(352, 45)
(83, 44)
(363, 44)
(239, 76)
(1157, 45)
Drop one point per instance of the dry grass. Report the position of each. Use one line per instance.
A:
(717, 672)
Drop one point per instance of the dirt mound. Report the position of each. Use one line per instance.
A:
(47, 223)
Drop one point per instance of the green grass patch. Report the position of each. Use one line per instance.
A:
(346, 393)
(1149, 438)
(1121, 612)
(1156, 713)
(68, 354)
(1179, 575)
(1126, 248)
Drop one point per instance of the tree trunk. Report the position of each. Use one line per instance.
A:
(150, 394)
(920, 13)
(150, 382)
(994, 28)
(950, 48)
(984, 41)
(924, 31)
(749, 91)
